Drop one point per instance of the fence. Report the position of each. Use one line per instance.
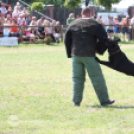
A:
(63, 29)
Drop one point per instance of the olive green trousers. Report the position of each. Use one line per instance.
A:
(79, 66)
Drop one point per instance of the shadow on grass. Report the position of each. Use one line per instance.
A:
(112, 106)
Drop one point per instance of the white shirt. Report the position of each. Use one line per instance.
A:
(132, 21)
(3, 10)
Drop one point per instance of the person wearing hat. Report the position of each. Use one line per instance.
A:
(9, 12)
(3, 8)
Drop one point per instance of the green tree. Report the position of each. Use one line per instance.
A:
(56, 3)
(75, 3)
(107, 3)
(38, 6)
(71, 4)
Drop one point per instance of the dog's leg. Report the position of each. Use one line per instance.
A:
(103, 62)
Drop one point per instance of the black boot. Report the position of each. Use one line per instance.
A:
(108, 102)
(77, 104)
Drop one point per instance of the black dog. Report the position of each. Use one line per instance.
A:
(117, 59)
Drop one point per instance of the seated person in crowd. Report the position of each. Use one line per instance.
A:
(15, 17)
(33, 23)
(20, 19)
(14, 31)
(3, 8)
(34, 29)
(48, 30)
(16, 11)
(57, 31)
(9, 12)
(40, 22)
(2, 19)
(6, 29)
(30, 35)
(1, 28)
(23, 23)
(24, 11)
(28, 19)
(53, 23)
(8, 19)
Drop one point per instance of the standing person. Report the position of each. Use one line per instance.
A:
(110, 29)
(70, 19)
(125, 28)
(80, 41)
(131, 23)
(100, 19)
(116, 27)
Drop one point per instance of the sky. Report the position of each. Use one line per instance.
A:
(124, 4)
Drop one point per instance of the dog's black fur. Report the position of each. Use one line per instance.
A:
(117, 59)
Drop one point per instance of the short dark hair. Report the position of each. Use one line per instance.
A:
(85, 10)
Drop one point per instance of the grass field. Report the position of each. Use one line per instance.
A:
(36, 90)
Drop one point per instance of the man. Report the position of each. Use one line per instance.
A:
(80, 41)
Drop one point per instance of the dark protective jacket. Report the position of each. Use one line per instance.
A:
(81, 36)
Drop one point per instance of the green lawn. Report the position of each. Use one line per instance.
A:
(36, 90)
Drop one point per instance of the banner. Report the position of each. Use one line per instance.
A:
(8, 41)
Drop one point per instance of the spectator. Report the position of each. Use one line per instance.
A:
(131, 23)
(3, 9)
(1, 28)
(16, 11)
(8, 20)
(110, 29)
(23, 23)
(24, 11)
(0, 3)
(30, 35)
(57, 31)
(28, 19)
(15, 17)
(40, 22)
(2, 19)
(9, 12)
(6, 30)
(33, 23)
(70, 19)
(14, 31)
(125, 29)
(53, 24)
(20, 19)
(116, 27)
(48, 30)
(100, 19)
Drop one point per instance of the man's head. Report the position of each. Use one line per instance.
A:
(85, 11)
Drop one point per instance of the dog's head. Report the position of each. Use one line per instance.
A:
(112, 45)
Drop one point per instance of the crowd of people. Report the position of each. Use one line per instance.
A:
(124, 26)
(17, 16)
(20, 17)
